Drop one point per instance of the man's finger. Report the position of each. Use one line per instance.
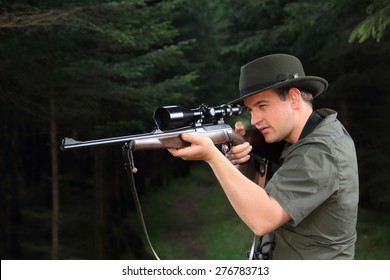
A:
(239, 128)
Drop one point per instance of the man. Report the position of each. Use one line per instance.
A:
(309, 206)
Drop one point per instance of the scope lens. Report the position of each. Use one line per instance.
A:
(169, 117)
(162, 117)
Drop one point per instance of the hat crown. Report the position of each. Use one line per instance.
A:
(269, 69)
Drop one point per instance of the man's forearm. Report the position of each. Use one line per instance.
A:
(248, 169)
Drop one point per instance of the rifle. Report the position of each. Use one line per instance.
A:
(172, 121)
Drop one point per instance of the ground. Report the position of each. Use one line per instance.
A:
(187, 229)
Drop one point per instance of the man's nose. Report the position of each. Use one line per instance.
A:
(255, 118)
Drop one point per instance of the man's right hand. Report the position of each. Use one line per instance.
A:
(239, 154)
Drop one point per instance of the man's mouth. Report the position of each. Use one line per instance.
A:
(263, 129)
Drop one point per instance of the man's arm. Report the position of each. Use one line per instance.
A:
(255, 207)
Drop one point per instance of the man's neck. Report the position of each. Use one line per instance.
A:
(305, 115)
(311, 124)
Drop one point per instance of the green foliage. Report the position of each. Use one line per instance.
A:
(111, 57)
(375, 24)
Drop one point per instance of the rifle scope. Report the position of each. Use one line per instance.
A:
(169, 117)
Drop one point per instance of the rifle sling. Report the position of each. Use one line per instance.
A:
(129, 166)
(262, 168)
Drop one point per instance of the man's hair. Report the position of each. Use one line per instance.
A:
(306, 96)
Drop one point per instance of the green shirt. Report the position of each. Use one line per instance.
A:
(318, 185)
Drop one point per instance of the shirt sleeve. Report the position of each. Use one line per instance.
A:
(307, 177)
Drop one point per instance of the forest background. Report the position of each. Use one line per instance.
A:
(95, 69)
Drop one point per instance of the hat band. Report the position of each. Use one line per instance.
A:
(259, 87)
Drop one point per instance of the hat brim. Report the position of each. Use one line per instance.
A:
(314, 85)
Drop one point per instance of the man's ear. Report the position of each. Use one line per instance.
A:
(294, 95)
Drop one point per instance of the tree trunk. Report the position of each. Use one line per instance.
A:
(99, 223)
(54, 180)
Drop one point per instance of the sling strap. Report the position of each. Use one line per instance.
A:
(131, 169)
(257, 253)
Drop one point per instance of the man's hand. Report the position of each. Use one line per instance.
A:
(202, 148)
(240, 153)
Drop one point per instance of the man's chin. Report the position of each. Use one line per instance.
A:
(269, 139)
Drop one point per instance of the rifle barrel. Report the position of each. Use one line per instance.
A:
(70, 143)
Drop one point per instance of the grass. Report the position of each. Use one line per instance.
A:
(212, 224)
(373, 235)
(185, 225)
(226, 235)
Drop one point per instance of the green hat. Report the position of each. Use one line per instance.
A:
(276, 71)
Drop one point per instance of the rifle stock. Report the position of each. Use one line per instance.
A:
(270, 151)
(219, 134)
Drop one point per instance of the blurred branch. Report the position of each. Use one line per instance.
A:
(375, 23)
(37, 18)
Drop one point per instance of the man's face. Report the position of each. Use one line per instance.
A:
(273, 117)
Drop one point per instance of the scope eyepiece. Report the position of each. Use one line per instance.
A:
(169, 117)
(224, 111)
